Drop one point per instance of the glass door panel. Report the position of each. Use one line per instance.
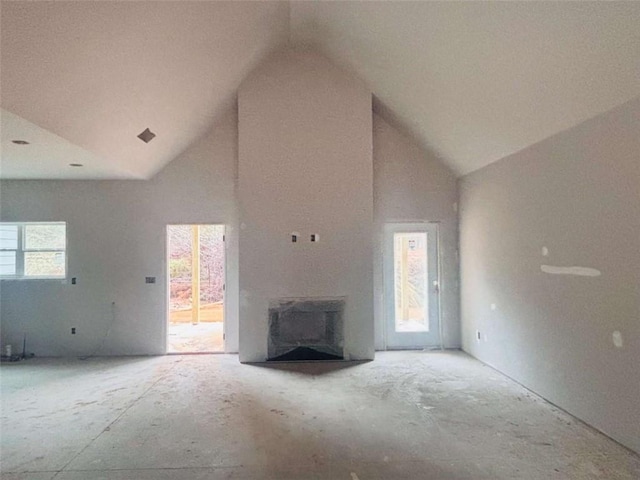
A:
(411, 286)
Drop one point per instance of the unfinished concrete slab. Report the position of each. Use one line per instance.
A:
(406, 415)
(204, 337)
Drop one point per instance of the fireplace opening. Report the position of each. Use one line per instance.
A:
(306, 329)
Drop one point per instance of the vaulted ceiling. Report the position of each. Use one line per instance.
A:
(472, 81)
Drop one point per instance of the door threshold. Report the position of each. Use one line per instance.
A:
(414, 349)
(195, 353)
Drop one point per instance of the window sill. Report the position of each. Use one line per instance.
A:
(31, 279)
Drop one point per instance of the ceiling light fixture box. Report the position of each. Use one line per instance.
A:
(147, 135)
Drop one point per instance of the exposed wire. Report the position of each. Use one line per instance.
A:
(106, 335)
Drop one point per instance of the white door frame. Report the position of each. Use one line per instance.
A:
(411, 340)
(167, 309)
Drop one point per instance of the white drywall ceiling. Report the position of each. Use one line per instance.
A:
(47, 155)
(476, 81)
(473, 81)
(98, 73)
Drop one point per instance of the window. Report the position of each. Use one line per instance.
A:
(33, 250)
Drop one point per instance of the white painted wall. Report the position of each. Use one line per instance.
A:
(411, 185)
(116, 228)
(305, 165)
(578, 195)
(116, 237)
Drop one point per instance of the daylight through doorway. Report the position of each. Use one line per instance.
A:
(412, 286)
(196, 288)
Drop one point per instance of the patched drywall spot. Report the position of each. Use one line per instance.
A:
(545, 252)
(244, 298)
(617, 339)
(579, 271)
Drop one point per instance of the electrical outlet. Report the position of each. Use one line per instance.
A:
(73, 280)
(73, 330)
(150, 280)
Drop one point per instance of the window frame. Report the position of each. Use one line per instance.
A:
(21, 250)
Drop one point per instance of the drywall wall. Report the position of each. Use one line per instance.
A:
(305, 165)
(116, 237)
(572, 200)
(413, 186)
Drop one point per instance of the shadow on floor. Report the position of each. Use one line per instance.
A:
(310, 367)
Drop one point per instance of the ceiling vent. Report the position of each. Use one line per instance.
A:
(147, 135)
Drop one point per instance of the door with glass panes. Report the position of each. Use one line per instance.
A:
(411, 286)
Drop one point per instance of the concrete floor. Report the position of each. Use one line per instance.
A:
(189, 338)
(407, 415)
